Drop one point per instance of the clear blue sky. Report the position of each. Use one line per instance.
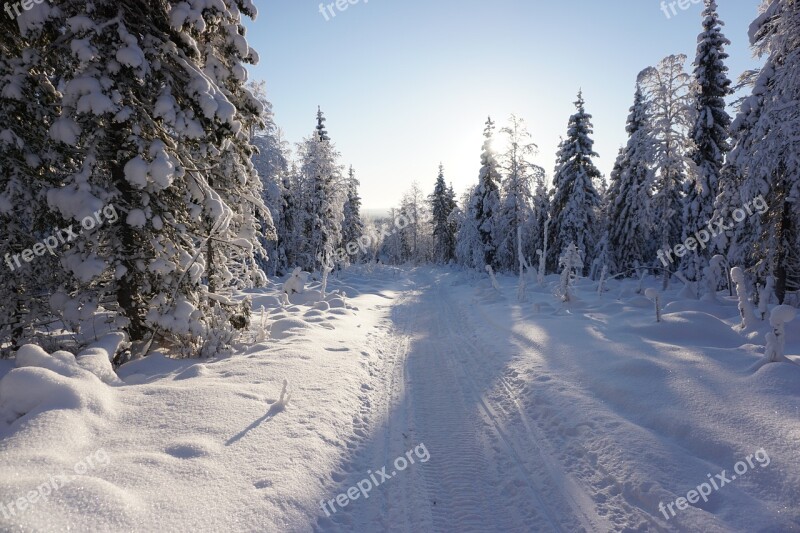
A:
(406, 84)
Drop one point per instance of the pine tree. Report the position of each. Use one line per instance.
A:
(442, 203)
(766, 146)
(710, 134)
(487, 201)
(576, 200)
(322, 201)
(153, 120)
(352, 225)
(628, 205)
(29, 163)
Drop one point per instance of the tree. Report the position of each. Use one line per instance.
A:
(30, 163)
(272, 164)
(629, 221)
(516, 210)
(352, 224)
(487, 199)
(710, 134)
(669, 99)
(442, 203)
(470, 250)
(764, 155)
(322, 201)
(575, 204)
(151, 118)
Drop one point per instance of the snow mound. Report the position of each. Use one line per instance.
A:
(97, 358)
(283, 328)
(691, 328)
(31, 390)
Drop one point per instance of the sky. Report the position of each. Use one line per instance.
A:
(407, 84)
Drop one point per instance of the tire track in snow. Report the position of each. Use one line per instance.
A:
(580, 499)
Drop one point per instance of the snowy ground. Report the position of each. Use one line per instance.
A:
(517, 417)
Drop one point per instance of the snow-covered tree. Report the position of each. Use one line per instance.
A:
(443, 203)
(710, 134)
(487, 199)
(352, 224)
(272, 164)
(575, 204)
(322, 200)
(765, 154)
(628, 199)
(470, 250)
(417, 236)
(29, 164)
(670, 103)
(152, 119)
(516, 210)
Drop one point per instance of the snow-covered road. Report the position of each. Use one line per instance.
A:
(489, 470)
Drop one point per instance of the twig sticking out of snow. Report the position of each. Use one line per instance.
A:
(776, 339)
(654, 295)
(285, 397)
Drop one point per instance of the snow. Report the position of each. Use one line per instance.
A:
(136, 218)
(65, 130)
(136, 172)
(537, 416)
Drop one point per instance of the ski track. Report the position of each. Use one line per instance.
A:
(488, 470)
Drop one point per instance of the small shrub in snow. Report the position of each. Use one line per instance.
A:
(764, 295)
(570, 260)
(490, 271)
(295, 284)
(776, 339)
(745, 306)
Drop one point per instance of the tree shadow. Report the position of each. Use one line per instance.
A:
(276, 408)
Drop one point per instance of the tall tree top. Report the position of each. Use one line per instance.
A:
(322, 134)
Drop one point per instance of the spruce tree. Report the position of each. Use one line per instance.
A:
(710, 134)
(766, 147)
(628, 205)
(151, 119)
(442, 203)
(352, 224)
(575, 204)
(487, 200)
(322, 200)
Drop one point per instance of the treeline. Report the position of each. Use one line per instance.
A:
(691, 183)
